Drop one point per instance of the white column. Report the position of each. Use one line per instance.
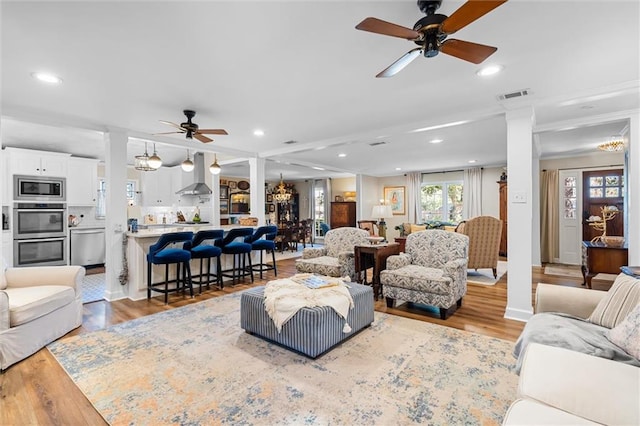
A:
(361, 212)
(256, 178)
(116, 210)
(535, 225)
(214, 183)
(520, 209)
(633, 190)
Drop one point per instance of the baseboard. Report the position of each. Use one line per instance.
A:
(518, 314)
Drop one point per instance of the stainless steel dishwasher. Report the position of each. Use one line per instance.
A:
(88, 246)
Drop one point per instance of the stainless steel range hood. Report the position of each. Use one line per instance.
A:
(198, 187)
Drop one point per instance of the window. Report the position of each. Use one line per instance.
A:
(102, 193)
(319, 206)
(606, 186)
(441, 201)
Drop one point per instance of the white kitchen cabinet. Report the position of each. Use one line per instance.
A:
(181, 179)
(37, 163)
(156, 187)
(82, 182)
(6, 180)
(7, 248)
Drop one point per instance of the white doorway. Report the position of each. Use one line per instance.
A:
(570, 217)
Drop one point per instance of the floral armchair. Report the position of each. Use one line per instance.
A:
(433, 270)
(336, 258)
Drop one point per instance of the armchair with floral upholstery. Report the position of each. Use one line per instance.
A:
(336, 258)
(432, 271)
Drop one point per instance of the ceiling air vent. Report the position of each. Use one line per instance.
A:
(512, 95)
(377, 143)
(290, 142)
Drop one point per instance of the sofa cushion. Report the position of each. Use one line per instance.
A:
(627, 334)
(621, 298)
(528, 412)
(417, 228)
(29, 303)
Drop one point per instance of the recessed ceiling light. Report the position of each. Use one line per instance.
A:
(398, 168)
(258, 132)
(489, 70)
(342, 155)
(472, 161)
(46, 77)
(436, 140)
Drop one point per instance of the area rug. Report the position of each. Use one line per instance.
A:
(93, 287)
(195, 365)
(573, 271)
(485, 276)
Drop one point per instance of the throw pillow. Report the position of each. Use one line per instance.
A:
(416, 228)
(626, 335)
(621, 298)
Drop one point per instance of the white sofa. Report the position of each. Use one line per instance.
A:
(37, 306)
(558, 386)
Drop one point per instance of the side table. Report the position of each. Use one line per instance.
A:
(598, 257)
(373, 255)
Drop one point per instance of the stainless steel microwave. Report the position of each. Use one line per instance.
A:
(39, 188)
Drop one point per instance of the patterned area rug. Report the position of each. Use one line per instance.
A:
(93, 287)
(485, 276)
(573, 271)
(195, 365)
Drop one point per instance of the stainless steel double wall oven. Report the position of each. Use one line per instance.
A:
(40, 221)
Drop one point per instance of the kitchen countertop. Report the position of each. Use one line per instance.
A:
(157, 231)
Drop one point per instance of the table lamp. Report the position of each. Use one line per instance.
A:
(382, 211)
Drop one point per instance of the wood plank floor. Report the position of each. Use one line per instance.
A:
(38, 391)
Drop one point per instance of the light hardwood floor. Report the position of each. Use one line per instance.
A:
(38, 391)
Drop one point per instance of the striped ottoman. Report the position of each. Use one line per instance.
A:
(311, 331)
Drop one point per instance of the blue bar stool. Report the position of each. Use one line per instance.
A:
(200, 250)
(159, 254)
(264, 244)
(240, 250)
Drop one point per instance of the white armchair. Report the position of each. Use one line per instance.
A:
(37, 306)
(336, 258)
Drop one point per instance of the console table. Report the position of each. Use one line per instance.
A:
(598, 257)
(374, 255)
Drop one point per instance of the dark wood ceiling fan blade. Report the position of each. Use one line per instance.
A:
(202, 138)
(177, 126)
(212, 131)
(472, 52)
(467, 13)
(378, 26)
(399, 65)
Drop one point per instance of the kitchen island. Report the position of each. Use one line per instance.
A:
(138, 244)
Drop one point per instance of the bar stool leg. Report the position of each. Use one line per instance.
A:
(148, 280)
(166, 284)
(187, 269)
(273, 255)
(219, 273)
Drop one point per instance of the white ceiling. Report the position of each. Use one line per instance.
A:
(301, 72)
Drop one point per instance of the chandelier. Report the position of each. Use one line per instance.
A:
(281, 194)
(615, 144)
(142, 161)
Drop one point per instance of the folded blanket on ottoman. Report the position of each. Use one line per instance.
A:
(283, 298)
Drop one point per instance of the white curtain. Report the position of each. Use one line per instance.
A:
(472, 193)
(328, 198)
(414, 182)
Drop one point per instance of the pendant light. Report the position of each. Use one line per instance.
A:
(142, 161)
(155, 161)
(215, 167)
(187, 165)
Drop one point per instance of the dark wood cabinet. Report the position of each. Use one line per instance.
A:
(289, 212)
(598, 257)
(503, 216)
(343, 213)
